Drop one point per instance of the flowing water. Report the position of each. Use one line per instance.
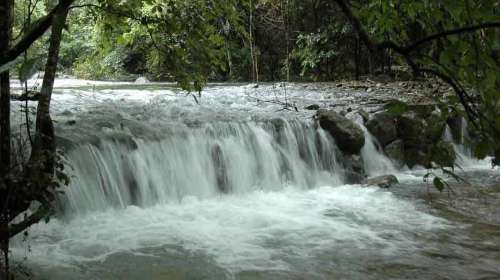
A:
(234, 186)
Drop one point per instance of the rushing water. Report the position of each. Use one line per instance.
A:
(238, 188)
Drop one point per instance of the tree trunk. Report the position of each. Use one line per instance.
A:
(43, 153)
(6, 19)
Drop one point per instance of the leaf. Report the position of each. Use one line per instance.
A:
(439, 184)
(28, 69)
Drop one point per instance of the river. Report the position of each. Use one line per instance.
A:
(233, 185)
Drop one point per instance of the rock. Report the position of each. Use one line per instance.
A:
(395, 151)
(67, 113)
(348, 135)
(220, 169)
(64, 143)
(422, 110)
(354, 169)
(364, 115)
(312, 107)
(30, 96)
(385, 181)
(142, 80)
(456, 127)
(434, 129)
(71, 122)
(352, 178)
(443, 154)
(410, 128)
(104, 124)
(383, 127)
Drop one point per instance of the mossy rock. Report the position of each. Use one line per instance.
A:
(395, 151)
(443, 154)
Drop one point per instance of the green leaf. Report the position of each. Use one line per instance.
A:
(439, 184)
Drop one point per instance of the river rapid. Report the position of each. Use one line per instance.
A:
(232, 184)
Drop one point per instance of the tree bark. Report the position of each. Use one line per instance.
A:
(43, 151)
(6, 20)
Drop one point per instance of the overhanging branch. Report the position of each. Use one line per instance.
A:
(33, 34)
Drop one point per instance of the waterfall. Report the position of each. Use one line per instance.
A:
(465, 158)
(375, 162)
(215, 158)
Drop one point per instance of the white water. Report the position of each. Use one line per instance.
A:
(465, 158)
(255, 231)
(203, 162)
(248, 192)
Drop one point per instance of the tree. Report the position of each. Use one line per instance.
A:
(463, 57)
(39, 178)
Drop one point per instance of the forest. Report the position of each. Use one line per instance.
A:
(195, 106)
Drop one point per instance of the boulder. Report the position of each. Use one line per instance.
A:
(395, 151)
(354, 169)
(383, 127)
(347, 134)
(455, 122)
(384, 181)
(312, 107)
(434, 128)
(443, 154)
(142, 80)
(410, 128)
(220, 169)
(364, 115)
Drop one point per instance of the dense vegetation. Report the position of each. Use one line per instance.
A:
(196, 41)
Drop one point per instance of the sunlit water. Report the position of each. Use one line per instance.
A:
(238, 188)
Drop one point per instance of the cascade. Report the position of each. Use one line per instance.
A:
(215, 158)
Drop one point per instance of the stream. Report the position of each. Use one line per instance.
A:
(232, 185)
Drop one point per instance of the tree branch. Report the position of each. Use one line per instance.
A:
(14, 229)
(33, 34)
(462, 30)
(356, 24)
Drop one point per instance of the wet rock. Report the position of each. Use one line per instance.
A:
(312, 107)
(347, 134)
(422, 110)
(435, 126)
(383, 128)
(220, 169)
(395, 151)
(364, 115)
(384, 181)
(102, 125)
(443, 154)
(352, 178)
(64, 143)
(30, 96)
(354, 169)
(67, 113)
(142, 80)
(455, 122)
(410, 128)
(71, 122)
